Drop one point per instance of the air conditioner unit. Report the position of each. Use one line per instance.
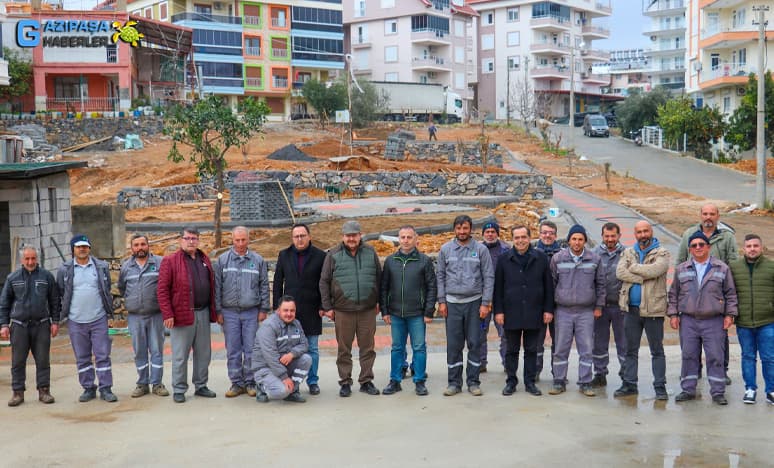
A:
(697, 66)
(217, 5)
(740, 91)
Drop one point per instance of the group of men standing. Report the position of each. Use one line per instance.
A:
(569, 290)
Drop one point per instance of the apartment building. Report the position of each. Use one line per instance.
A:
(628, 69)
(549, 44)
(419, 41)
(723, 50)
(667, 34)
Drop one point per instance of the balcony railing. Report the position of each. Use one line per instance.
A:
(361, 39)
(727, 26)
(429, 34)
(548, 45)
(281, 53)
(431, 60)
(279, 22)
(82, 104)
(664, 5)
(596, 30)
(206, 17)
(251, 20)
(279, 82)
(675, 85)
(550, 20)
(604, 6)
(256, 51)
(727, 69)
(253, 82)
(550, 70)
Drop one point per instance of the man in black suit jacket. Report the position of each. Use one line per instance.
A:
(298, 275)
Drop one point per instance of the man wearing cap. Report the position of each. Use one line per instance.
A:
(702, 304)
(548, 244)
(643, 274)
(298, 275)
(29, 316)
(186, 295)
(722, 247)
(138, 283)
(84, 286)
(349, 286)
(491, 234)
(241, 301)
(465, 288)
(579, 293)
(609, 252)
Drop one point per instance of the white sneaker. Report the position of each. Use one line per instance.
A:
(749, 396)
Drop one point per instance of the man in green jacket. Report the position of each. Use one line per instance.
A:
(754, 279)
(349, 286)
(408, 303)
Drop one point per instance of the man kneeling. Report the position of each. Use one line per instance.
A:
(280, 358)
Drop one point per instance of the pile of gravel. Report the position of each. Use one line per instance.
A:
(290, 153)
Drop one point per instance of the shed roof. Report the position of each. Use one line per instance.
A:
(17, 171)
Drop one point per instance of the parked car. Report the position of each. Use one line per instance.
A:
(595, 125)
(612, 121)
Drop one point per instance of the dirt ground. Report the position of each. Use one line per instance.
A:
(150, 168)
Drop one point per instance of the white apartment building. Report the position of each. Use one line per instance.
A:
(723, 50)
(418, 41)
(667, 42)
(548, 44)
(628, 69)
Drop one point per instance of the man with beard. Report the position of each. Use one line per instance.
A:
(548, 244)
(298, 274)
(722, 247)
(609, 252)
(465, 287)
(138, 283)
(349, 286)
(491, 233)
(643, 273)
(579, 293)
(754, 280)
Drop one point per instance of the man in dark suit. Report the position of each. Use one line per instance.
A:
(298, 275)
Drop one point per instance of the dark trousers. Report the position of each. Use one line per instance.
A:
(463, 325)
(654, 330)
(512, 341)
(35, 337)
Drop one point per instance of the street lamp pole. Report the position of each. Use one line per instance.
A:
(571, 122)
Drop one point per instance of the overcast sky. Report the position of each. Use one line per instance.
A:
(626, 26)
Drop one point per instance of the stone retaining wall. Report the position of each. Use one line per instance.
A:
(468, 154)
(143, 197)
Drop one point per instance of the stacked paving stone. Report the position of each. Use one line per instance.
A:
(257, 199)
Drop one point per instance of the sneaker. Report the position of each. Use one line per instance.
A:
(770, 398)
(204, 392)
(420, 389)
(107, 395)
(661, 394)
(598, 381)
(160, 390)
(369, 388)
(392, 387)
(625, 390)
(557, 389)
(475, 390)
(720, 400)
(684, 396)
(234, 391)
(295, 397)
(451, 390)
(587, 390)
(178, 398)
(346, 390)
(749, 396)
(314, 389)
(88, 395)
(251, 390)
(140, 390)
(262, 397)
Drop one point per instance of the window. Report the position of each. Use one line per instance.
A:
(203, 9)
(392, 76)
(253, 46)
(742, 57)
(459, 28)
(391, 54)
(513, 14)
(52, 208)
(487, 18)
(737, 19)
(163, 11)
(360, 10)
(112, 53)
(361, 59)
(727, 104)
(388, 3)
(459, 54)
(71, 87)
(459, 80)
(390, 26)
(362, 34)
(513, 62)
(148, 13)
(487, 42)
(513, 38)
(487, 65)
(423, 79)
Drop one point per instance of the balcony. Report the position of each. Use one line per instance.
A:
(279, 23)
(82, 104)
(595, 78)
(677, 85)
(727, 35)
(725, 74)
(595, 55)
(279, 82)
(603, 7)
(279, 53)
(205, 18)
(664, 7)
(431, 63)
(254, 21)
(720, 3)
(550, 72)
(254, 82)
(666, 29)
(361, 42)
(664, 50)
(595, 32)
(550, 23)
(253, 51)
(549, 47)
(668, 69)
(430, 37)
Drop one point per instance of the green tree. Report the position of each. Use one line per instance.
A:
(210, 128)
(366, 106)
(640, 109)
(326, 99)
(673, 117)
(677, 117)
(20, 73)
(743, 122)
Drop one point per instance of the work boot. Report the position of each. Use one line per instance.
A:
(107, 395)
(475, 390)
(626, 390)
(420, 388)
(17, 399)
(532, 389)
(392, 387)
(88, 395)
(598, 381)
(720, 400)
(251, 390)
(345, 391)
(44, 396)
(451, 390)
(685, 396)
(509, 389)
(261, 397)
(314, 389)
(140, 390)
(482, 369)
(204, 392)
(557, 389)
(295, 397)
(235, 391)
(160, 390)
(587, 390)
(369, 388)
(661, 394)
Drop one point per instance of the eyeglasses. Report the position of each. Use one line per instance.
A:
(548, 233)
(698, 245)
(191, 239)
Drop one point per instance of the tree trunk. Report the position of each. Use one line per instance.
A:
(219, 186)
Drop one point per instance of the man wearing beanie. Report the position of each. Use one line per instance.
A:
(702, 304)
(84, 286)
(579, 293)
(491, 233)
